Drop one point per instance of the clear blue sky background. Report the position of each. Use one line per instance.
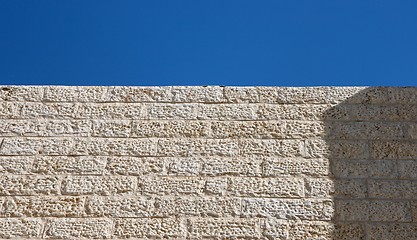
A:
(210, 42)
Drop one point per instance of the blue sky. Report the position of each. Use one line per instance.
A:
(210, 42)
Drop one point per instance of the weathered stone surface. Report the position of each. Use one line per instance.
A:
(15, 164)
(114, 146)
(197, 206)
(17, 185)
(69, 165)
(224, 228)
(135, 166)
(209, 94)
(169, 111)
(75, 94)
(364, 168)
(231, 166)
(150, 228)
(266, 187)
(394, 150)
(139, 94)
(22, 93)
(392, 231)
(170, 129)
(78, 228)
(275, 167)
(267, 129)
(109, 111)
(100, 185)
(372, 210)
(45, 128)
(111, 128)
(227, 112)
(339, 188)
(291, 209)
(171, 186)
(265, 163)
(119, 207)
(44, 207)
(20, 228)
(197, 147)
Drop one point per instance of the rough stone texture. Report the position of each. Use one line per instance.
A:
(285, 163)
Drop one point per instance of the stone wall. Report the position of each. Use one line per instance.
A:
(208, 163)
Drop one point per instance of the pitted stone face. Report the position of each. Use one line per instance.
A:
(284, 163)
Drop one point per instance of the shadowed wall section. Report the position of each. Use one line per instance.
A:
(372, 152)
(208, 163)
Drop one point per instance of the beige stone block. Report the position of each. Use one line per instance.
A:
(267, 129)
(275, 229)
(76, 228)
(348, 231)
(231, 166)
(348, 149)
(111, 128)
(392, 231)
(407, 168)
(241, 94)
(392, 189)
(389, 211)
(20, 228)
(365, 130)
(36, 206)
(291, 209)
(189, 166)
(270, 148)
(171, 185)
(216, 186)
(227, 111)
(98, 185)
(171, 129)
(75, 94)
(114, 146)
(139, 94)
(372, 210)
(206, 94)
(109, 111)
(166, 111)
(197, 206)
(337, 188)
(48, 110)
(21, 93)
(364, 168)
(278, 167)
(224, 228)
(365, 112)
(300, 112)
(385, 96)
(62, 93)
(351, 210)
(315, 148)
(149, 228)
(197, 147)
(69, 165)
(11, 110)
(266, 187)
(44, 128)
(15, 164)
(135, 166)
(411, 130)
(32, 146)
(119, 206)
(394, 150)
(18, 185)
(305, 95)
